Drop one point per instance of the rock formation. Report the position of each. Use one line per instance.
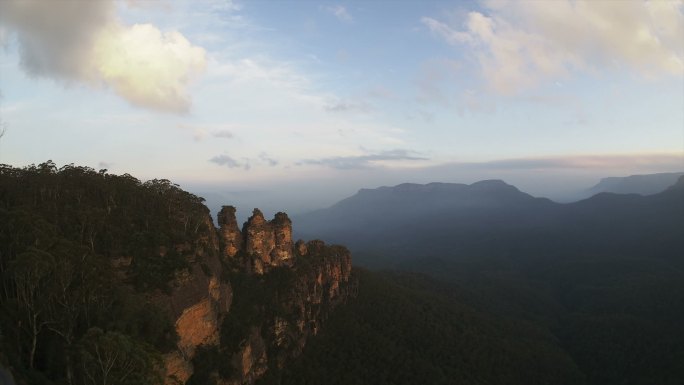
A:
(216, 306)
(261, 246)
(282, 229)
(229, 232)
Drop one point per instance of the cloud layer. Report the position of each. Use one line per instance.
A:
(244, 163)
(518, 45)
(363, 161)
(635, 161)
(83, 41)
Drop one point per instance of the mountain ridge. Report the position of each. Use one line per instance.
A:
(486, 217)
(642, 184)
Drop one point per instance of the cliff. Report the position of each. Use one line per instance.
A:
(255, 300)
(98, 267)
(197, 302)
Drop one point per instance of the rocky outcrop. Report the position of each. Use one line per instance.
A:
(296, 302)
(260, 246)
(259, 242)
(251, 362)
(229, 232)
(282, 253)
(177, 368)
(253, 297)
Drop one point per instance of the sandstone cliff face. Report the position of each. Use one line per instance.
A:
(259, 242)
(260, 246)
(252, 298)
(282, 253)
(229, 232)
(197, 302)
(298, 301)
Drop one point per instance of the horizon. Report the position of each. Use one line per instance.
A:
(299, 104)
(289, 201)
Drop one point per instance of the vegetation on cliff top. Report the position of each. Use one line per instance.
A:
(68, 238)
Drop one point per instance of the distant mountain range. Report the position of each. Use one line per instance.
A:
(598, 284)
(636, 184)
(495, 218)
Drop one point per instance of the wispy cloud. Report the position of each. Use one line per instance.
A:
(520, 44)
(77, 41)
(223, 133)
(364, 161)
(227, 161)
(277, 74)
(245, 163)
(340, 12)
(202, 131)
(268, 160)
(349, 106)
(637, 161)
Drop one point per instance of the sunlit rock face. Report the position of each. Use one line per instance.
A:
(229, 232)
(260, 246)
(177, 368)
(198, 325)
(283, 250)
(197, 302)
(259, 241)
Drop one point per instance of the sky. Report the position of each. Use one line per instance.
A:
(293, 105)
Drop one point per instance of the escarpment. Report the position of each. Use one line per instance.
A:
(197, 301)
(256, 299)
(98, 265)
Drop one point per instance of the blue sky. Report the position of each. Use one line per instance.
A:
(300, 103)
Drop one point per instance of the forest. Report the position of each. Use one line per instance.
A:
(66, 316)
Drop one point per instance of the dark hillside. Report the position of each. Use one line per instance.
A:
(407, 329)
(603, 276)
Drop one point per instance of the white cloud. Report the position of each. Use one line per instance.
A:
(147, 67)
(83, 41)
(340, 13)
(520, 44)
(246, 70)
(343, 106)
